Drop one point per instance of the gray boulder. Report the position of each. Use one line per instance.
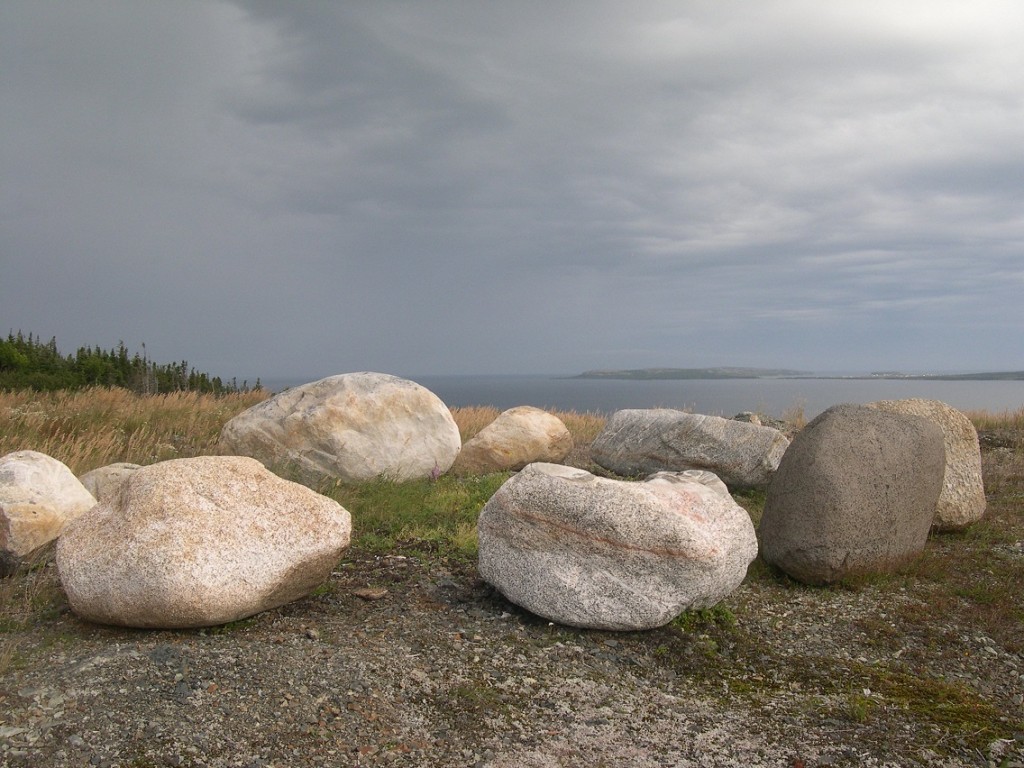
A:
(353, 427)
(639, 442)
(197, 542)
(39, 497)
(962, 501)
(519, 436)
(612, 554)
(854, 494)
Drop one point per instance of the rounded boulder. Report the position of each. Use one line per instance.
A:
(962, 500)
(198, 542)
(352, 427)
(593, 552)
(39, 497)
(854, 495)
(519, 436)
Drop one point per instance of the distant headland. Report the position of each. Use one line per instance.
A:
(641, 374)
(695, 373)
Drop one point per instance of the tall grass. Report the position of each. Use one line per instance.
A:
(997, 420)
(90, 428)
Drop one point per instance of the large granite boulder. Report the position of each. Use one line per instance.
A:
(197, 542)
(352, 427)
(519, 436)
(962, 500)
(104, 482)
(39, 497)
(613, 554)
(854, 494)
(641, 441)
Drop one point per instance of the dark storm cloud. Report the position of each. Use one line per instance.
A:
(275, 189)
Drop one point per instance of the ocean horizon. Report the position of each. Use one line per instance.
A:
(721, 397)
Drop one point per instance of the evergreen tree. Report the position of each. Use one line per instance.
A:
(30, 363)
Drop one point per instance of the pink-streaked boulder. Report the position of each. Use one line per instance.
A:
(198, 542)
(593, 552)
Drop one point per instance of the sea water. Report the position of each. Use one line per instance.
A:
(723, 397)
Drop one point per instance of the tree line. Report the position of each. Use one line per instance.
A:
(31, 363)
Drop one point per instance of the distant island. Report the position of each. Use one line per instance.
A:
(694, 373)
(652, 374)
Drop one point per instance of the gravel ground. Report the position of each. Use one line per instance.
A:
(407, 661)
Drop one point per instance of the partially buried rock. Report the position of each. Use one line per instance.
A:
(962, 501)
(641, 441)
(39, 497)
(519, 436)
(197, 542)
(104, 482)
(854, 495)
(612, 554)
(353, 427)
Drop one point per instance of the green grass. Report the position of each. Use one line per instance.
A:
(418, 517)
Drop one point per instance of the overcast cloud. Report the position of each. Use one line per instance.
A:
(299, 189)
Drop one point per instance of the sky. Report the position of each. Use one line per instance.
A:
(270, 189)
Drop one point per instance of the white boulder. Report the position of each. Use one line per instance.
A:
(197, 542)
(519, 436)
(612, 554)
(39, 496)
(353, 427)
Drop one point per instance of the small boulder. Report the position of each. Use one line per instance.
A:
(962, 501)
(613, 554)
(854, 495)
(519, 436)
(641, 441)
(197, 542)
(39, 497)
(103, 482)
(353, 427)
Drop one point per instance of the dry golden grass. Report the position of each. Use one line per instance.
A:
(997, 420)
(94, 427)
(795, 416)
(473, 418)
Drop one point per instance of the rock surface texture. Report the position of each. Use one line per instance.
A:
(612, 554)
(39, 496)
(353, 427)
(519, 436)
(854, 494)
(642, 441)
(103, 482)
(197, 542)
(962, 500)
